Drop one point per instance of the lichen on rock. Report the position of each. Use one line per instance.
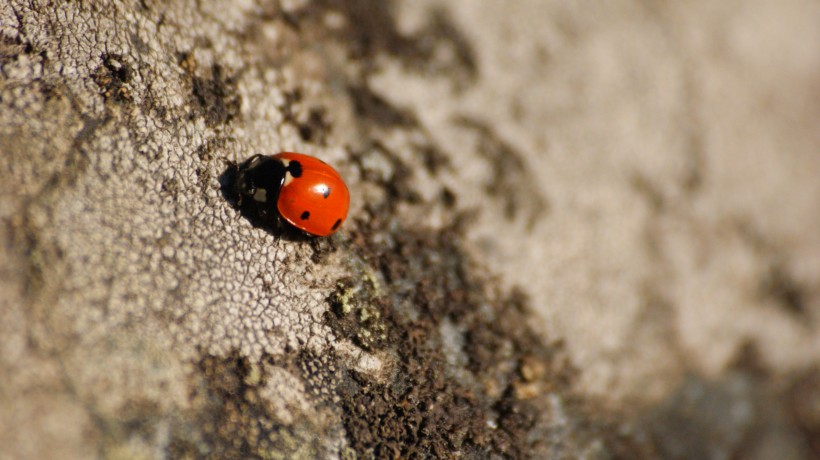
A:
(523, 275)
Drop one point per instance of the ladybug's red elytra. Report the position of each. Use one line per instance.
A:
(305, 191)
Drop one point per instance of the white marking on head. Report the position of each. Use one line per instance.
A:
(261, 195)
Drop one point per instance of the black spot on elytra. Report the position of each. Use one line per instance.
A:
(295, 168)
(336, 225)
(305, 215)
(326, 193)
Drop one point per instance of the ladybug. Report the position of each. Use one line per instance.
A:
(305, 191)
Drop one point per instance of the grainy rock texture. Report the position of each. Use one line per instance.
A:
(577, 230)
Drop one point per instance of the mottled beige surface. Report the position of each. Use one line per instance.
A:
(678, 148)
(674, 147)
(135, 262)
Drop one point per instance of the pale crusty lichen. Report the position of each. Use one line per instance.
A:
(113, 127)
(141, 316)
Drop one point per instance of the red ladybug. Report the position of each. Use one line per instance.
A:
(305, 191)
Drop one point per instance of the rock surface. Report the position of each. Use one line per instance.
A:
(576, 230)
